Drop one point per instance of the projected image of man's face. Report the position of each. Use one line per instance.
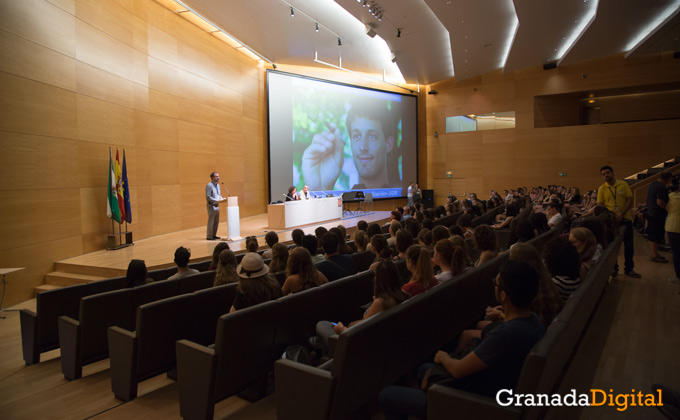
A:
(369, 150)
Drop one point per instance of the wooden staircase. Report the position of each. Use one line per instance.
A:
(70, 274)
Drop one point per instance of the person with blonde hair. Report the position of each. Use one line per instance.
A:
(360, 240)
(586, 244)
(301, 273)
(419, 264)
(226, 268)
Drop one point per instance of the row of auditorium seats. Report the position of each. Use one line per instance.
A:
(83, 339)
(39, 330)
(546, 362)
(149, 349)
(249, 341)
(385, 348)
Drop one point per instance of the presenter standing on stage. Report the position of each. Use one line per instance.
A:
(213, 196)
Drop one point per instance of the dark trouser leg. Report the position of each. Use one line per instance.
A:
(628, 250)
(213, 222)
(674, 239)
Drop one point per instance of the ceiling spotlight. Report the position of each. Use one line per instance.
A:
(339, 41)
(317, 26)
(370, 9)
(292, 12)
(365, 3)
(358, 1)
(398, 33)
(379, 17)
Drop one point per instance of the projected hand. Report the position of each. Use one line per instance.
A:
(323, 159)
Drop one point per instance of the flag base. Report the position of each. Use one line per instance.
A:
(119, 240)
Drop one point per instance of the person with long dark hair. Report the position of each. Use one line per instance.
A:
(301, 273)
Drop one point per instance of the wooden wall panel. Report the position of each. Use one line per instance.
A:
(156, 132)
(40, 22)
(24, 58)
(36, 108)
(96, 83)
(105, 122)
(534, 156)
(30, 162)
(32, 216)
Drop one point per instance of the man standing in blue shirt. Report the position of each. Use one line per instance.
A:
(213, 197)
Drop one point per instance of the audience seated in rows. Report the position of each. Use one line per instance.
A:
(586, 245)
(425, 238)
(310, 243)
(226, 270)
(386, 295)
(279, 258)
(335, 266)
(404, 241)
(301, 273)
(221, 246)
(485, 240)
(563, 262)
(450, 260)
(297, 236)
(492, 365)
(271, 238)
(440, 232)
(360, 240)
(182, 256)
(254, 285)
(419, 264)
(464, 222)
(252, 244)
(136, 274)
(380, 249)
(505, 219)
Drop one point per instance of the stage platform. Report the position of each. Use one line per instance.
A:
(158, 251)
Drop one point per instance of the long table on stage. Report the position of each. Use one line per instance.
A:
(304, 212)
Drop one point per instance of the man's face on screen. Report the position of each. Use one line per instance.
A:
(369, 150)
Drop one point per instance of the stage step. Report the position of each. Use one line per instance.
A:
(60, 278)
(45, 287)
(90, 270)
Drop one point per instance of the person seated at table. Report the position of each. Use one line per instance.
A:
(292, 194)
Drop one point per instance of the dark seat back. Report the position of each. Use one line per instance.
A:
(209, 305)
(97, 314)
(235, 333)
(194, 282)
(162, 273)
(52, 304)
(159, 325)
(363, 260)
(155, 291)
(201, 265)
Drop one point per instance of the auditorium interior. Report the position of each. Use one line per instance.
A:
(180, 87)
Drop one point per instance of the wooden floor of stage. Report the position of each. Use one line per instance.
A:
(158, 251)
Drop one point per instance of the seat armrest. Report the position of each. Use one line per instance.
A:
(69, 341)
(123, 356)
(196, 373)
(29, 336)
(468, 406)
(302, 391)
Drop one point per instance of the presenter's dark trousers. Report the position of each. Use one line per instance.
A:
(213, 222)
(628, 250)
